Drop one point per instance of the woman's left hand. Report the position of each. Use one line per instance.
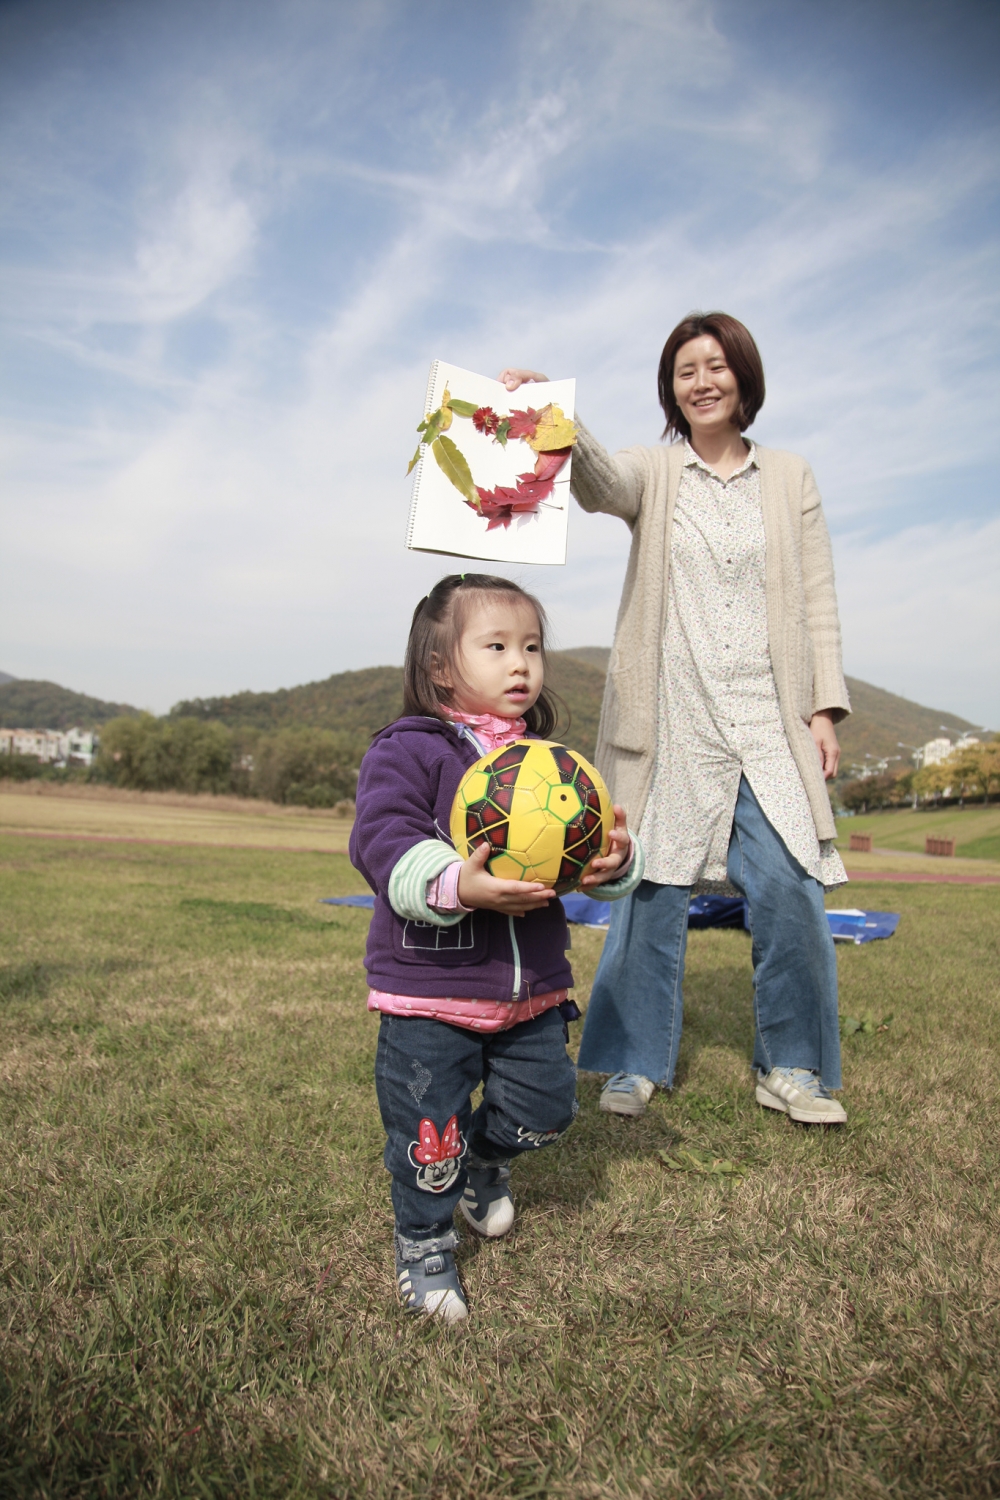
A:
(822, 730)
(603, 870)
(512, 378)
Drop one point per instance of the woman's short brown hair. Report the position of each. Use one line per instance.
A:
(742, 357)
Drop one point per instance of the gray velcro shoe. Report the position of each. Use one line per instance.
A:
(428, 1277)
(627, 1094)
(487, 1202)
(800, 1094)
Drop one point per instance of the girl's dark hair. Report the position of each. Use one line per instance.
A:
(438, 622)
(742, 357)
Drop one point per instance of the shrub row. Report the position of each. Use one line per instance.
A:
(307, 767)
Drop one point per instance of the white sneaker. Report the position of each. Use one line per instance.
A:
(799, 1093)
(487, 1202)
(627, 1094)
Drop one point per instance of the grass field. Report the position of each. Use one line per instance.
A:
(197, 1283)
(171, 817)
(976, 829)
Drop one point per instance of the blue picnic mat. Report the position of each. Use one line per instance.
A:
(856, 926)
(848, 926)
(578, 908)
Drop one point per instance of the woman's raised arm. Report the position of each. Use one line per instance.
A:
(598, 481)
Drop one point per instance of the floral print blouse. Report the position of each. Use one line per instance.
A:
(718, 704)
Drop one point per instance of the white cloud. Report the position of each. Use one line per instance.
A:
(238, 522)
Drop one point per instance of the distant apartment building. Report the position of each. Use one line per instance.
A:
(937, 750)
(55, 747)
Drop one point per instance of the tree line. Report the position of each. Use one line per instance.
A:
(970, 772)
(302, 767)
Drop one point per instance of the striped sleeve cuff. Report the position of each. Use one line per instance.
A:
(614, 890)
(408, 883)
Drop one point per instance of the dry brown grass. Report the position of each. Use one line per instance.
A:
(171, 817)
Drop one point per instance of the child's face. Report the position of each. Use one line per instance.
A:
(499, 659)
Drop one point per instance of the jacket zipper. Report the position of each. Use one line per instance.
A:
(517, 959)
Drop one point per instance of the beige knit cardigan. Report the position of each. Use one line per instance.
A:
(803, 628)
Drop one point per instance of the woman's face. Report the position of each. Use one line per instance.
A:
(705, 387)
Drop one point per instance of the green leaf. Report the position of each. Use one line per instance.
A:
(414, 460)
(463, 408)
(502, 430)
(454, 466)
(849, 1025)
(431, 425)
(693, 1159)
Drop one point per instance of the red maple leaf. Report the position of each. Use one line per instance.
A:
(533, 489)
(523, 423)
(499, 506)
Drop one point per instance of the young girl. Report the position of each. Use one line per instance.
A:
(469, 972)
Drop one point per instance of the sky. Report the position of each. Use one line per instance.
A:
(235, 233)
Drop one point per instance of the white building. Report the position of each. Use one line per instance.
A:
(81, 747)
(937, 750)
(75, 747)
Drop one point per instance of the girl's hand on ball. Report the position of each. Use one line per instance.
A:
(478, 888)
(513, 378)
(603, 870)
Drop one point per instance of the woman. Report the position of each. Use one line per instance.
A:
(717, 730)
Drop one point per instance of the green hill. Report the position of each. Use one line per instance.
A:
(45, 705)
(361, 702)
(878, 720)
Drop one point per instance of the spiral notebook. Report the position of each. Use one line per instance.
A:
(493, 473)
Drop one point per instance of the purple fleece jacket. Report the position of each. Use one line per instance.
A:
(405, 791)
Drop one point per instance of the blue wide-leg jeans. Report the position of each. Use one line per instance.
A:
(633, 1021)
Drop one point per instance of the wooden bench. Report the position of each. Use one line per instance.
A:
(861, 843)
(939, 846)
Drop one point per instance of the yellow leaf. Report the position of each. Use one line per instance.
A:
(446, 412)
(554, 430)
(454, 466)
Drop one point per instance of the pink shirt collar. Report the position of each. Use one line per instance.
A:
(490, 729)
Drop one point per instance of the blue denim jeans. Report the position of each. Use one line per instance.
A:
(425, 1072)
(633, 1022)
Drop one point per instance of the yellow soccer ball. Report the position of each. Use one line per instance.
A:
(542, 808)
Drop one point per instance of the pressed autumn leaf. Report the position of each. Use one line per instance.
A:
(534, 489)
(454, 466)
(413, 461)
(552, 430)
(462, 408)
(434, 423)
(521, 424)
(547, 465)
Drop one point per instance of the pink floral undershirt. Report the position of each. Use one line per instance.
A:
(442, 895)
